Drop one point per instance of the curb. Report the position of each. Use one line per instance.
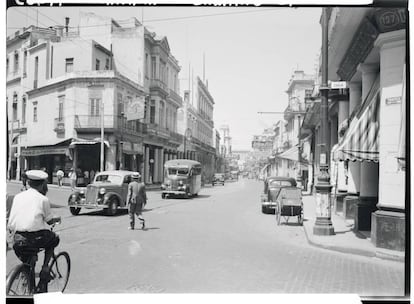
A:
(378, 253)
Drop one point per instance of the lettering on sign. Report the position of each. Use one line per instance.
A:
(391, 19)
(393, 100)
(338, 85)
(42, 151)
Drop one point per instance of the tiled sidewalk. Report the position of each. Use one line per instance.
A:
(345, 239)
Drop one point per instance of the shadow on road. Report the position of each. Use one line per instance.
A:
(120, 212)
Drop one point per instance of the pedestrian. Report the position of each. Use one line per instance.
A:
(86, 176)
(136, 200)
(92, 175)
(59, 175)
(24, 181)
(73, 177)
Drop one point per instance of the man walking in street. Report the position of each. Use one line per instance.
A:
(59, 175)
(136, 200)
(73, 177)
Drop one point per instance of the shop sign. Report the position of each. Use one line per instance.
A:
(391, 19)
(135, 108)
(359, 49)
(338, 85)
(42, 151)
(393, 100)
(126, 146)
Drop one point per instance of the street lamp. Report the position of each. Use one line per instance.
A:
(323, 223)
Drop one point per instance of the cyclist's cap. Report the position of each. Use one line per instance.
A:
(36, 175)
(136, 175)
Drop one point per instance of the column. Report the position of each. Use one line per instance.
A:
(368, 189)
(146, 164)
(18, 160)
(343, 114)
(388, 223)
(156, 165)
(161, 167)
(354, 168)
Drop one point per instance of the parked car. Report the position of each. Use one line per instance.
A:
(108, 191)
(218, 178)
(271, 189)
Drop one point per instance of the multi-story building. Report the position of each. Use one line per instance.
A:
(289, 162)
(367, 51)
(196, 124)
(69, 86)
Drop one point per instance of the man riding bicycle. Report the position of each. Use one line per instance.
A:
(29, 220)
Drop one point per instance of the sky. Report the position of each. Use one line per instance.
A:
(250, 52)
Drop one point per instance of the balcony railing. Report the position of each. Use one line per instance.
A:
(59, 125)
(110, 122)
(176, 136)
(175, 96)
(158, 130)
(156, 83)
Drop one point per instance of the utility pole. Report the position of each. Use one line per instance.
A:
(102, 136)
(323, 223)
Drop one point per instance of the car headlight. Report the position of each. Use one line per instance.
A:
(180, 183)
(102, 191)
(82, 192)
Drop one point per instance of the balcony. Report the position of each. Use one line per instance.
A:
(176, 137)
(59, 126)
(175, 96)
(132, 127)
(157, 130)
(18, 127)
(295, 109)
(93, 123)
(157, 84)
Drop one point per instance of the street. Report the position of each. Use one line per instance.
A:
(218, 242)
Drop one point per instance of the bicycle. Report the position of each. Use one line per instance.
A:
(21, 280)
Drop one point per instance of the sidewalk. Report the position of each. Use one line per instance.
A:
(345, 239)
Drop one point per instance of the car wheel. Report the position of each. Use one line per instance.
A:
(163, 195)
(112, 207)
(74, 210)
(265, 210)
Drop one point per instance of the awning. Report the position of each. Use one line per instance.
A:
(80, 141)
(360, 141)
(292, 154)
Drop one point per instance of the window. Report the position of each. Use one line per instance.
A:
(16, 61)
(14, 114)
(36, 71)
(107, 64)
(35, 111)
(94, 105)
(97, 64)
(308, 93)
(7, 65)
(146, 65)
(25, 63)
(152, 112)
(61, 105)
(24, 109)
(153, 67)
(120, 104)
(69, 65)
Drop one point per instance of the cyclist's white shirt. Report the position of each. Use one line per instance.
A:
(30, 211)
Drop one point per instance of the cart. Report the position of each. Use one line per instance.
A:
(289, 203)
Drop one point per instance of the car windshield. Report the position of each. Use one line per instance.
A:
(278, 183)
(178, 171)
(218, 175)
(106, 178)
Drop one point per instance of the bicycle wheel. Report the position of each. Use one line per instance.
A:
(59, 272)
(18, 283)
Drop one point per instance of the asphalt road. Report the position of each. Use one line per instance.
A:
(218, 242)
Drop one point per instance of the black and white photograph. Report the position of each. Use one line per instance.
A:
(193, 149)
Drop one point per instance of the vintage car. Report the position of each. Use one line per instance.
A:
(218, 178)
(272, 186)
(108, 191)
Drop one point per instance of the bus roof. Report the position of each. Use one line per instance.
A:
(181, 162)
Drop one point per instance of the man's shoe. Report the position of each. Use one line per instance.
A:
(143, 226)
(130, 228)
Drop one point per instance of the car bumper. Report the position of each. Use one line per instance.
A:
(88, 205)
(177, 192)
(270, 205)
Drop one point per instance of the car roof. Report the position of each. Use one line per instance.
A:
(117, 172)
(281, 178)
(181, 162)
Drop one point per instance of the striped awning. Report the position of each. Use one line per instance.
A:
(360, 142)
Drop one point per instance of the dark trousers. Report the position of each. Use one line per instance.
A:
(133, 209)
